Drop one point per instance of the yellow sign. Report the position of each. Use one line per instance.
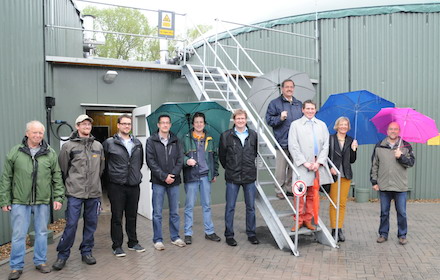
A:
(166, 24)
(434, 141)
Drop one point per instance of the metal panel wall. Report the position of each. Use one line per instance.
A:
(21, 72)
(393, 55)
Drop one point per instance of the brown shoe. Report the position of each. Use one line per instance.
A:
(309, 225)
(43, 268)
(381, 239)
(403, 241)
(300, 225)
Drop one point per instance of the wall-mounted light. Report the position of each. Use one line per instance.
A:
(110, 76)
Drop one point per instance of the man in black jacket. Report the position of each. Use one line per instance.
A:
(165, 160)
(237, 154)
(124, 158)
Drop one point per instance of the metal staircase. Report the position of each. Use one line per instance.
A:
(219, 84)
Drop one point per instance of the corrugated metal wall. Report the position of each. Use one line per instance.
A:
(393, 55)
(22, 70)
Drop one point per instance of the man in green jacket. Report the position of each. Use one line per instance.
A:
(31, 176)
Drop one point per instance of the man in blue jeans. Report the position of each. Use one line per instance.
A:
(200, 169)
(82, 163)
(165, 159)
(31, 175)
(389, 175)
(237, 153)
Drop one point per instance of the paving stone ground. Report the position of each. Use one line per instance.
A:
(360, 257)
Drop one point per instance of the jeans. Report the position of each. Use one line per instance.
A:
(173, 202)
(191, 189)
(283, 172)
(123, 199)
(400, 204)
(90, 216)
(20, 220)
(249, 191)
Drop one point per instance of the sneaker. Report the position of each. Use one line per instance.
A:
(43, 268)
(59, 264)
(15, 274)
(178, 242)
(403, 241)
(381, 239)
(88, 259)
(213, 237)
(138, 248)
(159, 246)
(253, 240)
(188, 239)
(231, 241)
(118, 252)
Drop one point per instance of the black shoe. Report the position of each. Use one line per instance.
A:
(289, 193)
(188, 239)
(88, 259)
(253, 240)
(59, 264)
(341, 236)
(231, 241)
(15, 274)
(213, 237)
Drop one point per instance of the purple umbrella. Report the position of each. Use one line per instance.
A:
(414, 126)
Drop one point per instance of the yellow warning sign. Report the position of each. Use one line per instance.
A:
(166, 24)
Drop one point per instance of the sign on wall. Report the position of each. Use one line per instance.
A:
(166, 24)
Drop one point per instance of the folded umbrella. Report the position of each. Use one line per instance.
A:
(316, 188)
(414, 126)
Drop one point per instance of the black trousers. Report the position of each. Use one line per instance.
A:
(123, 199)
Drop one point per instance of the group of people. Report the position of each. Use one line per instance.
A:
(305, 140)
(35, 177)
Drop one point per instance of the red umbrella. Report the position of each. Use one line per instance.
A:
(316, 187)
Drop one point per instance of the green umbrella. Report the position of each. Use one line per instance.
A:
(216, 116)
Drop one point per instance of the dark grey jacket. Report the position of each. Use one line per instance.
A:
(388, 172)
(120, 168)
(238, 160)
(82, 163)
(164, 160)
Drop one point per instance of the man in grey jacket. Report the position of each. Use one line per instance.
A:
(82, 163)
(390, 161)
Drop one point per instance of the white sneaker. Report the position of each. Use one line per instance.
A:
(178, 242)
(159, 246)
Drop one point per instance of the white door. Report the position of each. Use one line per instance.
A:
(141, 131)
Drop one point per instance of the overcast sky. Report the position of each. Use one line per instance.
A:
(249, 11)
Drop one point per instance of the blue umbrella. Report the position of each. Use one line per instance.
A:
(359, 107)
(216, 116)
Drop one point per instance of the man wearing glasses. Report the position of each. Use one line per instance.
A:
(124, 158)
(165, 160)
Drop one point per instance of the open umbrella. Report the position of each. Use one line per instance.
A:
(359, 107)
(216, 116)
(414, 126)
(268, 87)
(435, 141)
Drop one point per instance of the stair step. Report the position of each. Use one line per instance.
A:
(302, 230)
(264, 167)
(265, 183)
(214, 75)
(268, 155)
(285, 213)
(198, 68)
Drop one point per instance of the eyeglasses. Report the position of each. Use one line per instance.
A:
(165, 122)
(126, 124)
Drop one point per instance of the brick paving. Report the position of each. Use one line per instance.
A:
(360, 257)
